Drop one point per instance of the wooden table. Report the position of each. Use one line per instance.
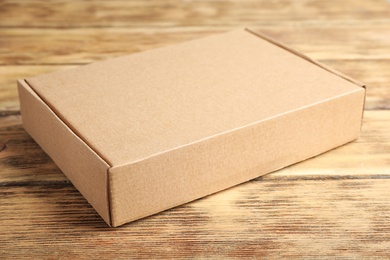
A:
(335, 205)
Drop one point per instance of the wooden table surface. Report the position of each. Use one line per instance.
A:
(335, 205)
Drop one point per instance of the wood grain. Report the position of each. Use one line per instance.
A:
(174, 13)
(335, 205)
(79, 46)
(285, 218)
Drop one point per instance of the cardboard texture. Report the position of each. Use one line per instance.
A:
(146, 132)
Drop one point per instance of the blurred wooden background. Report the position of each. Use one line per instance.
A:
(335, 205)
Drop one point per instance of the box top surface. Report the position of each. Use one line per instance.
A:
(134, 107)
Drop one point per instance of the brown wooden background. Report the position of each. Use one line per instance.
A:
(335, 205)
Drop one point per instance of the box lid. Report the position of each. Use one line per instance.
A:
(131, 108)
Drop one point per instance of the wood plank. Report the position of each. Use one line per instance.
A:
(374, 73)
(272, 219)
(333, 206)
(80, 46)
(75, 46)
(174, 13)
(22, 160)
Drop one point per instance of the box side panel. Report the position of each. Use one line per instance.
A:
(187, 173)
(86, 170)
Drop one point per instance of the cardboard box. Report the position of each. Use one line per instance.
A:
(146, 132)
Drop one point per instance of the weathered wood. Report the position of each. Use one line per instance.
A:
(273, 219)
(174, 13)
(80, 45)
(374, 73)
(333, 206)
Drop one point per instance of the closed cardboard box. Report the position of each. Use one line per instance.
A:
(143, 133)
